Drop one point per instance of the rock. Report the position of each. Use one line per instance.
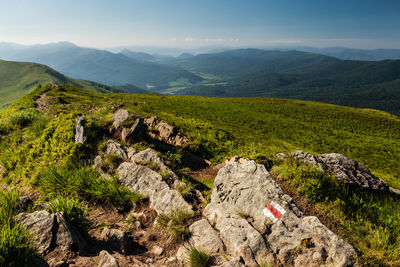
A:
(130, 151)
(51, 230)
(43, 225)
(156, 251)
(80, 130)
(118, 239)
(232, 264)
(164, 132)
(345, 170)
(134, 133)
(119, 117)
(150, 183)
(194, 162)
(149, 155)
(240, 193)
(281, 156)
(107, 260)
(204, 237)
(115, 148)
(25, 202)
(97, 162)
(236, 159)
(61, 264)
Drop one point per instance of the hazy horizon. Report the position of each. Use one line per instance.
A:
(186, 24)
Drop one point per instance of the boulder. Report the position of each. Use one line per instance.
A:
(281, 156)
(52, 230)
(107, 260)
(149, 155)
(240, 195)
(115, 148)
(345, 170)
(203, 236)
(80, 130)
(119, 117)
(150, 183)
(134, 133)
(118, 239)
(164, 132)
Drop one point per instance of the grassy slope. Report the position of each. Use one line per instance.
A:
(224, 127)
(18, 78)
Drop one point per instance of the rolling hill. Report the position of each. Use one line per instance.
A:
(19, 78)
(97, 65)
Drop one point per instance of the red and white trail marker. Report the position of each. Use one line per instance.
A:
(274, 211)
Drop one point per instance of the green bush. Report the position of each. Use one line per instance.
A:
(198, 258)
(73, 211)
(84, 182)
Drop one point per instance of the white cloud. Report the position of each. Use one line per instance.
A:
(189, 39)
(173, 39)
(283, 41)
(218, 40)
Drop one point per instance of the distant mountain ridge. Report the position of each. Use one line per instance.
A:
(98, 65)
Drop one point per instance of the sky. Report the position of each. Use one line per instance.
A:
(194, 23)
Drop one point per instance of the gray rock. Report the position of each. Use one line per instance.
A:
(150, 183)
(118, 239)
(149, 155)
(107, 260)
(119, 117)
(115, 148)
(204, 237)
(80, 130)
(281, 156)
(345, 170)
(156, 250)
(130, 151)
(240, 193)
(43, 225)
(164, 132)
(51, 230)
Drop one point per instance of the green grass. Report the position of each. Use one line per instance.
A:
(74, 212)
(198, 258)
(86, 183)
(175, 225)
(16, 243)
(370, 221)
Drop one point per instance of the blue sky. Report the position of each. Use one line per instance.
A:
(189, 23)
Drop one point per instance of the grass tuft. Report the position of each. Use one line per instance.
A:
(175, 224)
(198, 258)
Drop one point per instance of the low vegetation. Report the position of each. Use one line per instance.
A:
(198, 258)
(175, 224)
(370, 221)
(16, 243)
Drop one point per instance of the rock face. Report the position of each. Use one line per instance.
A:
(241, 192)
(150, 183)
(134, 133)
(149, 155)
(164, 132)
(116, 238)
(345, 170)
(115, 148)
(52, 230)
(107, 260)
(80, 130)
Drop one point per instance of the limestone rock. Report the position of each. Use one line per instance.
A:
(119, 117)
(118, 239)
(115, 148)
(345, 170)
(149, 155)
(80, 130)
(150, 183)
(51, 230)
(156, 251)
(107, 260)
(204, 237)
(164, 132)
(134, 133)
(240, 193)
(281, 156)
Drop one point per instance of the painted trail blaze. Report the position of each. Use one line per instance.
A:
(274, 211)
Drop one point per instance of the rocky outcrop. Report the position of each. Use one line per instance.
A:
(149, 155)
(240, 195)
(107, 260)
(141, 179)
(164, 132)
(118, 239)
(135, 132)
(80, 130)
(345, 170)
(115, 148)
(52, 230)
(119, 117)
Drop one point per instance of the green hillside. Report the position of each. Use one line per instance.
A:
(38, 154)
(19, 78)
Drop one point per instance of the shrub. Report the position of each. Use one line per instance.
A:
(73, 211)
(175, 224)
(198, 258)
(22, 118)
